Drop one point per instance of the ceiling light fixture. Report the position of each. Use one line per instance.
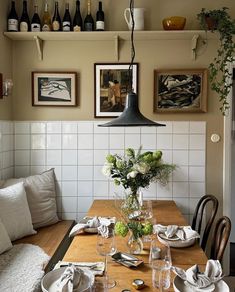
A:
(131, 116)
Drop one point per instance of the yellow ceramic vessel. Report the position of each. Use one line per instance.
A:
(174, 23)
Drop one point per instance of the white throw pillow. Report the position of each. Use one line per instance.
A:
(5, 242)
(41, 196)
(14, 212)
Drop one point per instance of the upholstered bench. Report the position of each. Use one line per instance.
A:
(53, 239)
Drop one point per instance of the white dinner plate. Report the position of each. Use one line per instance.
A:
(163, 236)
(176, 243)
(179, 286)
(49, 281)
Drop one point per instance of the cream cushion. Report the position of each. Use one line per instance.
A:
(14, 211)
(5, 242)
(41, 196)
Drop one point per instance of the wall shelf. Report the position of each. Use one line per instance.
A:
(115, 36)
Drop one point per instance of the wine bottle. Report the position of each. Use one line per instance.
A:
(56, 21)
(24, 20)
(89, 21)
(77, 20)
(100, 18)
(36, 22)
(46, 19)
(66, 24)
(12, 20)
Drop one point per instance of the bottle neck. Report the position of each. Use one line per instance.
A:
(56, 7)
(25, 7)
(67, 6)
(88, 7)
(36, 9)
(100, 6)
(13, 4)
(46, 7)
(78, 5)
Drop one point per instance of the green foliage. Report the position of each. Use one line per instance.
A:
(137, 169)
(138, 229)
(220, 76)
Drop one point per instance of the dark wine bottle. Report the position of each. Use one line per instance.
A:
(77, 20)
(66, 24)
(56, 20)
(100, 18)
(46, 19)
(24, 20)
(36, 22)
(12, 20)
(89, 21)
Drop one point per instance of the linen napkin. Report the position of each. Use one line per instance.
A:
(70, 279)
(97, 268)
(94, 222)
(197, 280)
(179, 232)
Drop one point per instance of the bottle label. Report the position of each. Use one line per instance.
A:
(46, 27)
(23, 26)
(55, 25)
(35, 27)
(66, 26)
(77, 28)
(88, 26)
(99, 25)
(12, 24)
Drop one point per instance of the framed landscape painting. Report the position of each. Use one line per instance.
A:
(111, 87)
(54, 88)
(180, 90)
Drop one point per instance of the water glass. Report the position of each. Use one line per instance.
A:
(160, 260)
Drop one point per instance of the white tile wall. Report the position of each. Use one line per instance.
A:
(6, 149)
(77, 151)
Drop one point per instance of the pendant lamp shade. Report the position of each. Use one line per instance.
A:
(131, 116)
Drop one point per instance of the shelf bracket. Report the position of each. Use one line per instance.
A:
(116, 43)
(194, 43)
(39, 44)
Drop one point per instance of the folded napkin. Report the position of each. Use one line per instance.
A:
(70, 279)
(94, 222)
(97, 268)
(198, 280)
(179, 232)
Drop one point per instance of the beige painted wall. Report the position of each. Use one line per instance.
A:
(5, 61)
(81, 56)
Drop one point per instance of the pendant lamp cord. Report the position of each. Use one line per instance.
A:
(130, 70)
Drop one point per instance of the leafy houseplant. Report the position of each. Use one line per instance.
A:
(219, 74)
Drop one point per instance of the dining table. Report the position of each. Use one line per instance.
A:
(165, 212)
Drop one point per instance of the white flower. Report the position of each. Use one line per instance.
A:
(142, 167)
(132, 174)
(106, 170)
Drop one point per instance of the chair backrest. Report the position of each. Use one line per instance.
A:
(220, 238)
(200, 213)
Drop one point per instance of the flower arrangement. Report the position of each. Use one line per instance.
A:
(133, 171)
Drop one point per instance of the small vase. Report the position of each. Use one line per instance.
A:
(135, 245)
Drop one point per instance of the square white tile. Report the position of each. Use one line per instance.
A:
(167, 156)
(69, 188)
(57, 170)
(197, 127)
(37, 169)
(22, 171)
(69, 157)
(100, 157)
(180, 142)
(69, 204)
(101, 188)
(38, 157)
(180, 157)
(69, 173)
(148, 130)
(38, 141)
(197, 158)
(183, 204)
(164, 191)
(197, 142)
(180, 127)
(181, 173)
(69, 141)
(22, 128)
(100, 130)
(85, 188)
(54, 128)
(197, 189)
(54, 141)
(53, 157)
(85, 141)
(101, 141)
(6, 143)
(98, 175)
(84, 204)
(69, 127)
(116, 141)
(180, 189)
(197, 174)
(22, 142)
(167, 129)
(117, 130)
(85, 127)
(85, 157)
(132, 130)
(85, 173)
(22, 157)
(164, 141)
(132, 141)
(149, 141)
(38, 128)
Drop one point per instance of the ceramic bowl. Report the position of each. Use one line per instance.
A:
(174, 23)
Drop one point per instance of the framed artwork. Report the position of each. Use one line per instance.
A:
(180, 90)
(54, 88)
(1, 89)
(111, 87)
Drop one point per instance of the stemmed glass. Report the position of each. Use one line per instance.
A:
(160, 260)
(106, 246)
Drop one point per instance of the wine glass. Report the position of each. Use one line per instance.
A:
(106, 246)
(160, 260)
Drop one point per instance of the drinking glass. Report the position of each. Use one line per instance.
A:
(147, 210)
(160, 260)
(106, 246)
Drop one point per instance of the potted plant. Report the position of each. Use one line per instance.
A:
(219, 75)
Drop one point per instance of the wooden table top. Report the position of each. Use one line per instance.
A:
(83, 246)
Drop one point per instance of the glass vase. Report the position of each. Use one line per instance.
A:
(131, 205)
(135, 245)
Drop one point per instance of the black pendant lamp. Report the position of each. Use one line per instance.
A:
(131, 116)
